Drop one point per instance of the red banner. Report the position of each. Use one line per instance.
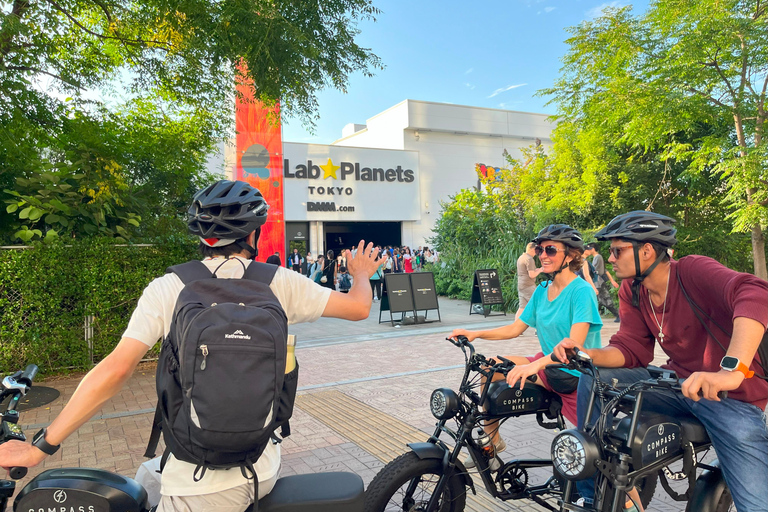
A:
(260, 163)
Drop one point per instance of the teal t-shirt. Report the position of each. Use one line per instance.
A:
(577, 303)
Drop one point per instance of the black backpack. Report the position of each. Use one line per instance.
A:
(221, 383)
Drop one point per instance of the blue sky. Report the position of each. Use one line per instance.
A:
(493, 54)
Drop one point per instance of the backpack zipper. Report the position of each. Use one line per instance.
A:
(204, 349)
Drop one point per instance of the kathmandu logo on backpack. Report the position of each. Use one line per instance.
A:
(238, 334)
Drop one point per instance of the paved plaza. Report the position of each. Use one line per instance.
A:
(363, 394)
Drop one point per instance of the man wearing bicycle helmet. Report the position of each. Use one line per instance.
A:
(709, 320)
(227, 217)
(563, 306)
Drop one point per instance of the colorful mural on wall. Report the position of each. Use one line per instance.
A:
(260, 163)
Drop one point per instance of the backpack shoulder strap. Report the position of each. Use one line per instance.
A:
(194, 270)
(260, 272)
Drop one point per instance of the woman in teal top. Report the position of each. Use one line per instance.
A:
(562, 307)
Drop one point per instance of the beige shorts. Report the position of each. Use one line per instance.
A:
(524, 296)
(236, 499)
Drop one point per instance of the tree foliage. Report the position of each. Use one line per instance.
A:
(668, 82)
(478, 230)
(109, 109)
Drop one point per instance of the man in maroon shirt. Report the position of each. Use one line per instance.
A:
(654, 308)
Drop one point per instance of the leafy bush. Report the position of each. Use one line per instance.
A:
(477, 230)
(47, 291)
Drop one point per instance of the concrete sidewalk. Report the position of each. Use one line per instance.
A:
(364, 389)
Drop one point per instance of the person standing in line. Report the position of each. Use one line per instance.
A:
(377, 277)
(526, 277)
(296, 260)
(603, 278)
(330, 270)
(308, 261)
(407, 261)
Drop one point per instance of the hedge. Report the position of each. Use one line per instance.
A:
(46, 292)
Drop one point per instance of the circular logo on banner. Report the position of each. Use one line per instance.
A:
(60, 496)
(255, 161)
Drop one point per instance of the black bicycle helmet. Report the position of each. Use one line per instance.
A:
(225, 212)
(561, 233)
(641, 226)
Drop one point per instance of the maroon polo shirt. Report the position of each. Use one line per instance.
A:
(722, 293)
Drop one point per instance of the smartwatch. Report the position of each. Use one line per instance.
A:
(732, 364)
(41, 444)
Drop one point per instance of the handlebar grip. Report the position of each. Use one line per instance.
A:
(17, 473)
(29, 374)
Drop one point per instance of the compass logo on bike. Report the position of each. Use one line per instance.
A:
(60, 496)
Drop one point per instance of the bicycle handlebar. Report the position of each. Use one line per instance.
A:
(16, 381)
(29, 374)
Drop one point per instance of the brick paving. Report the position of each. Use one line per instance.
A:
(389, 372)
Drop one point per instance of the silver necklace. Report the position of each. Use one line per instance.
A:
(660, 337)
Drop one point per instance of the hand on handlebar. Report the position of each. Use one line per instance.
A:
(19, 454)
(471, 335)
(521, 373)
(565, 348)
(707, 384)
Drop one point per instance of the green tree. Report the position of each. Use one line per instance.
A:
(109, 108)
(657, 78)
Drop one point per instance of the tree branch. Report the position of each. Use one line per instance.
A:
(709, 97)
(37, 70)
(134, 42)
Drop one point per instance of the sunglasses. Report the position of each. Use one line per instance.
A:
(616, 251)
(550, 250)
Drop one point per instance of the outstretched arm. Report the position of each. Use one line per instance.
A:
(355, 305)
(500, 333)
(99, 385)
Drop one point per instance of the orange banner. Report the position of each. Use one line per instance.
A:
(260, 163)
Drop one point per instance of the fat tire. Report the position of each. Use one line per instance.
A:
(402, 470)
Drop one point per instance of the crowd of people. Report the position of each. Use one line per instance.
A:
(330, 270)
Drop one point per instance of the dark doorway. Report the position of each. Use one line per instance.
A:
(343, 235)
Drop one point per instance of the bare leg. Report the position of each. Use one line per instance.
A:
(636, 498)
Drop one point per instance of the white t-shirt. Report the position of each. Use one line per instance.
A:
(302, 300)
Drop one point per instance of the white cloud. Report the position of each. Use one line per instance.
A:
(469, 71)
(505, 89)
(471, 86)
(596, 12)
(549, 9)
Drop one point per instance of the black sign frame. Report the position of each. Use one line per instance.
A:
(407, 300)
(424, 293)
(486, 290)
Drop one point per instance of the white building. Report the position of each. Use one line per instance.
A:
(383, 181)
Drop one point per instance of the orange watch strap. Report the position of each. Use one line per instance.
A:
(745, 370)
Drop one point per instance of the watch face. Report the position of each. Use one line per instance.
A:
(729, 363)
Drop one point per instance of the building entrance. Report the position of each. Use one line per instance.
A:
(344, 235)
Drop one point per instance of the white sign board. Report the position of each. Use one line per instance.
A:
(336, 183)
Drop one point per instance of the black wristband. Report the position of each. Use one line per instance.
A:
(41, 444)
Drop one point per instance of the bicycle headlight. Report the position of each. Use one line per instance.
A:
(574, 454)
(444, 403)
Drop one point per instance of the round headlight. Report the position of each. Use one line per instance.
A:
(574, 454)
(444, 403)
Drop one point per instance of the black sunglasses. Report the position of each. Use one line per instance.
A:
(550, 250)
(616, 251)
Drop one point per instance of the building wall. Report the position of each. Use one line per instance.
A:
(450, 140)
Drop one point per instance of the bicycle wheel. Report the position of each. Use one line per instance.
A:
(388, 492)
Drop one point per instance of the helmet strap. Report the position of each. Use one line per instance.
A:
(551, 277)
(253, 252)
(640, 277)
